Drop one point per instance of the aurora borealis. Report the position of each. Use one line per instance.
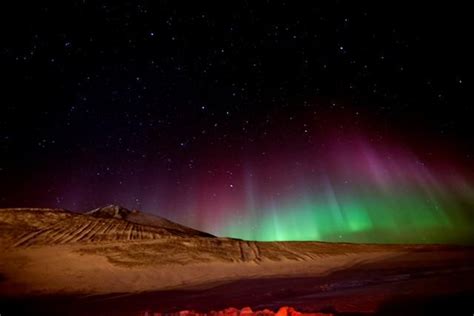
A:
(354, 192)
(335, 185)
(264, 120)
(364, 195)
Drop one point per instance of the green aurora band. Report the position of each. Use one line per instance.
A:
(387, 199)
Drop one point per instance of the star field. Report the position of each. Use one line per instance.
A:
(183, 109)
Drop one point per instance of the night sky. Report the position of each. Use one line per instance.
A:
(264, 120)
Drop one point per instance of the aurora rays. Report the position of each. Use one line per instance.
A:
(344, 187)
(361, 193)
(262, 120)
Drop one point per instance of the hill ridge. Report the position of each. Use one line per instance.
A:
(24, 227)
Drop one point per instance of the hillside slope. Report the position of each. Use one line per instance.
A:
(29, 226)
(115, 250)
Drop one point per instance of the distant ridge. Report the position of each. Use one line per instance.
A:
(138, 217)
(112, 223)
(111, 210)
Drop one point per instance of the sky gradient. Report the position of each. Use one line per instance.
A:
(341, 186)
(266, 120)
